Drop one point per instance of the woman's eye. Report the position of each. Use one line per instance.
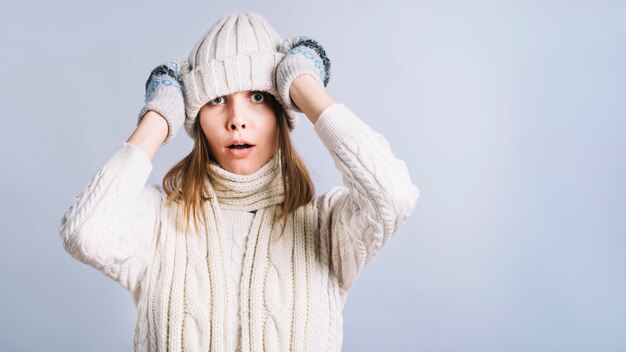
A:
(217, 101)
(258, 97)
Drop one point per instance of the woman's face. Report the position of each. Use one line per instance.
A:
(241, 129)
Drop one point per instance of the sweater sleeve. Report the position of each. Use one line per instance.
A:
(112, 222)
(356, 220)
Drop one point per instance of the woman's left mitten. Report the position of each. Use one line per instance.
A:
(303, 56)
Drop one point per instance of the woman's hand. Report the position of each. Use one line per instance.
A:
(164, 96)
(302, 75)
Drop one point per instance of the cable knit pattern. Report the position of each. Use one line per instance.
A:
(98, 229)
(377, 184)
(236, 225)
(235, 285)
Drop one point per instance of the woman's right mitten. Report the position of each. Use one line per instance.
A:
(164, 95)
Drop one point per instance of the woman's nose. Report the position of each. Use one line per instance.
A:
(237, 113)
(237, 124)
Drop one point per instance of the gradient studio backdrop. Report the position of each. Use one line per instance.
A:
(510, 115)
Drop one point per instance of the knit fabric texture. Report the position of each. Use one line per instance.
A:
(304, 56)
(238, 53)
(260, 192)
(282, 294)
(164, 96)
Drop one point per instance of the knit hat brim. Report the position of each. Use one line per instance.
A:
(219, 77)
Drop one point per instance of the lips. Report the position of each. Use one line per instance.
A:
(239, 148)
(239, 144)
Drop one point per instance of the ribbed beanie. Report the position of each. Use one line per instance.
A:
(239, 53)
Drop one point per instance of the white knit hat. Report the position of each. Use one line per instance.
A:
(240, 52)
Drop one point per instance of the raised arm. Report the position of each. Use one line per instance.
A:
(111, 224)
(358, 219)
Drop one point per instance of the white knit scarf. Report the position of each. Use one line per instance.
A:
(188, 302)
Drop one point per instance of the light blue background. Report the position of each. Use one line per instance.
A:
(511, 116)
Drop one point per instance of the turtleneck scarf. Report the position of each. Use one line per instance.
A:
(261, 189)
(190, 285)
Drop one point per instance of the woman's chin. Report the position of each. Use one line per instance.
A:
(241, 166)
(244, 165)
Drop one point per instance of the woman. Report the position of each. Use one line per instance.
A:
(233, 251)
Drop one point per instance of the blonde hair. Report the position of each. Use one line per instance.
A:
(185, 182)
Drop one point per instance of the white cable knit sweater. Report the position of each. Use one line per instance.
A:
(297, 287)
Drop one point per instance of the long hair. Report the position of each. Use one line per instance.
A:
(186, 181)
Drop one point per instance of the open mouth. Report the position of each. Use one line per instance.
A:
(240, 146)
